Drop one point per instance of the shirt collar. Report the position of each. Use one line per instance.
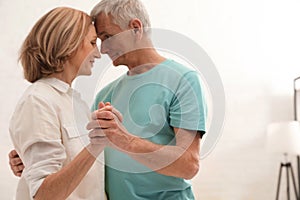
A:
(57, 84)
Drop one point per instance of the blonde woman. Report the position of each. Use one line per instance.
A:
(60, 47)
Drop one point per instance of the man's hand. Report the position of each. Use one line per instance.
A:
(180, 160)
(15, 163)
(106, 121)
(106, 111)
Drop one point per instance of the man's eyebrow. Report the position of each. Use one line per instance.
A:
(101, 33)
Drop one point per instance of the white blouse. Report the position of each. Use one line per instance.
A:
(48, 131)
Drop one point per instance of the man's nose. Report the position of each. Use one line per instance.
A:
(104, 47)
(97, 53)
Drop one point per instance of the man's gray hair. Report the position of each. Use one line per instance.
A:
(123, 11)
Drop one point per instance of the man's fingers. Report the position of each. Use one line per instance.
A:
(107, 114)
(15, 161)
(118, 114)
(99, 124)
(14, 158)
(17, 169)
(101, 105)
(18, 174)
(13, 153)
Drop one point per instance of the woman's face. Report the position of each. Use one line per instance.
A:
(84, 57)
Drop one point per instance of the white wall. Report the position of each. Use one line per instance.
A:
(254, 45)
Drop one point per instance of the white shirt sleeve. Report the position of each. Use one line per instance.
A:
(35, 132)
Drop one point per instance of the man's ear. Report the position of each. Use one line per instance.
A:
(137, 27)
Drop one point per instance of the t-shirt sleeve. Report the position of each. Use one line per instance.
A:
(188, 106)
(35, 132)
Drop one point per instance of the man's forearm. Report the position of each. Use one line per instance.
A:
(168, 160)
(180, 160)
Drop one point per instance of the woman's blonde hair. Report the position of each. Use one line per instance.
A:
(51, 41)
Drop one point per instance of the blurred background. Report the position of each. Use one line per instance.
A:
(255, 46)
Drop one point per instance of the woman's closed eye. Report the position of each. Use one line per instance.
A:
(94, 43)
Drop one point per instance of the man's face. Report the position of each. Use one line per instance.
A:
(115, 42)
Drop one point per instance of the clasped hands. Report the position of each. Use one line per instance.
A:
(106, 125)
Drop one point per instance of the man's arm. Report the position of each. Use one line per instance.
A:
(180, 160)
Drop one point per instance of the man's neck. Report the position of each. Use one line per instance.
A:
(144, 60)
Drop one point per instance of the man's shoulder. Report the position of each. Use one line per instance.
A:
(105, 93)
(111, 86)
(172, 66)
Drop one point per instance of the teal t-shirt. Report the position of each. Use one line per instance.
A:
(152, 103)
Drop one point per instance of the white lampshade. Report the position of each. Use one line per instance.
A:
(284, 137)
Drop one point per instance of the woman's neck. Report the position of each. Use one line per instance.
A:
(66, 75)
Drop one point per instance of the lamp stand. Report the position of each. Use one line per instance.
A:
(298, 165)
(289, 170)
(296, 119)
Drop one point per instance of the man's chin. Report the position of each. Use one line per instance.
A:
(117, 62)
(118, 59)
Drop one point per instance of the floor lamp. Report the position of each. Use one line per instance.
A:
(284, 138)
(296, 118)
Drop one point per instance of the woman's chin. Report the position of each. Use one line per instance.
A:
(86, 73)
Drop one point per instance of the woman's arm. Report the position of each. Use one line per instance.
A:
(36, 134)
(62, 183)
